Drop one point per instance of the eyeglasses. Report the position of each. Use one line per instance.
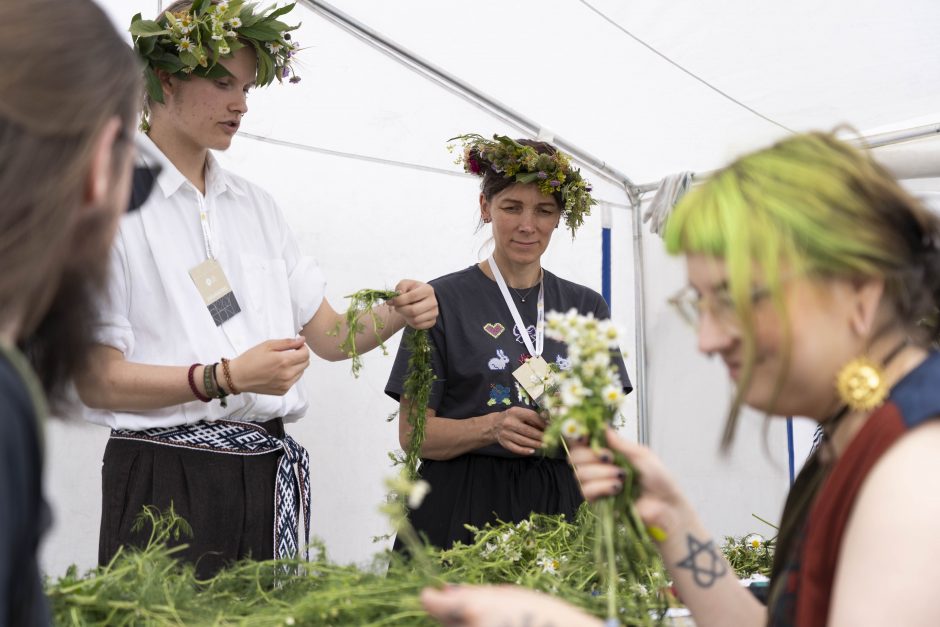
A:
(691, 306)
(143, 179)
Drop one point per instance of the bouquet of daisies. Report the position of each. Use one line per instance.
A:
(581, 401)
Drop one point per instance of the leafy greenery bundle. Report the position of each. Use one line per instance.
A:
(552, 173)
(149, 586)
(191, 42)
(417, 385)
(749, 555)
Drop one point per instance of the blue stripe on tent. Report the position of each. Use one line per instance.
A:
(790, 446)
(605, 265)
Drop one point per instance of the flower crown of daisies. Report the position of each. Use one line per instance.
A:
(552, 173)
(192, 41)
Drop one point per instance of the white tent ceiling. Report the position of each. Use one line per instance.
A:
(740, 74)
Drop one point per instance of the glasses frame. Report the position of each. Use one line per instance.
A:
(690, 305)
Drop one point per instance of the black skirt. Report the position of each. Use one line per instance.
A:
(479, 489)
(228, 500)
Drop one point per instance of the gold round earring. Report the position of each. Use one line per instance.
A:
(861, 384)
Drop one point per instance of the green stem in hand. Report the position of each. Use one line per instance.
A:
(361, 303)
(417, 389)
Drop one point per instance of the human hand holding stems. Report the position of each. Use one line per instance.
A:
(271, 367)
(518, 430)
(702, 576)
(501, 606)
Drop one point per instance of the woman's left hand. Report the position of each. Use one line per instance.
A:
(501, 606)
(416, 303)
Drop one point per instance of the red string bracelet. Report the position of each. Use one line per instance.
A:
(192, 385)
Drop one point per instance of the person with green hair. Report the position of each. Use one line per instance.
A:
(815, 278)
(213, 308)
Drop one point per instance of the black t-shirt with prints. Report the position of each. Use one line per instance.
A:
(476, 346)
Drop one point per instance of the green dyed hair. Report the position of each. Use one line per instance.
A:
(816, 206)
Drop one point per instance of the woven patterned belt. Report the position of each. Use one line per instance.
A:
(246, 438)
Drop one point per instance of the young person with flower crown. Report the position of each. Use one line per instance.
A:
(481, 454)
(816, 278)
(204, 340)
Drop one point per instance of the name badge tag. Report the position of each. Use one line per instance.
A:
(533, 376)
(215, 290)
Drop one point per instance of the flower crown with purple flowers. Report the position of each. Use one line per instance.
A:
(191, 42)
(551, 172)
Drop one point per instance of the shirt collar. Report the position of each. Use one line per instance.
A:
(218, 180)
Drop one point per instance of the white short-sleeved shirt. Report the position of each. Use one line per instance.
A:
(155, 314)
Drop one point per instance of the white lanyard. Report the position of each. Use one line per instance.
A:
(204, 219)
(540, 308)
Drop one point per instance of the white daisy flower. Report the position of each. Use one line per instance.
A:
(571, 429)
(572, 392)
(613, 396)
(549, 565)
(488, 550)
(273, 47)
(417, 493)
(184, 45)
(754, 541)
(235, 23)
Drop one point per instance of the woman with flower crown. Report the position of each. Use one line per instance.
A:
(208, 272)
(481, 453)
(816, 279)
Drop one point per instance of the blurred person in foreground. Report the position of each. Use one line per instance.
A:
(69, 89)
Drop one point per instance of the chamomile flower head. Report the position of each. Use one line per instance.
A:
(572, 429)
(195, 41)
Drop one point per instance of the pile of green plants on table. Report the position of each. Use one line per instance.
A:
(150, 587)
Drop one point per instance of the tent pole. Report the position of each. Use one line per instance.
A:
(877, 140)
(457, 85)
(494, 107)
(639, 303)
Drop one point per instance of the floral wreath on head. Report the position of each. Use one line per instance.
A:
(192, 41)
(552, 173)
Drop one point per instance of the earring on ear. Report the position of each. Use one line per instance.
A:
(861, 383)
(486, 220)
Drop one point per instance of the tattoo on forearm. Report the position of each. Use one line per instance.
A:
(704, 561)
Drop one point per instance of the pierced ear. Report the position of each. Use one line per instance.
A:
(864, 313)
(485, 210)
(101, 168)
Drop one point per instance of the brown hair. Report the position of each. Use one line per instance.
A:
(66, 74)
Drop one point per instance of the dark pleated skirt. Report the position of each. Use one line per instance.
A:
(480, 489)
(228, 500)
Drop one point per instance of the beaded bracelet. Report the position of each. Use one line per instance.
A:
(192, 385)
(207, 382)
(213, 390)
(228, 377)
